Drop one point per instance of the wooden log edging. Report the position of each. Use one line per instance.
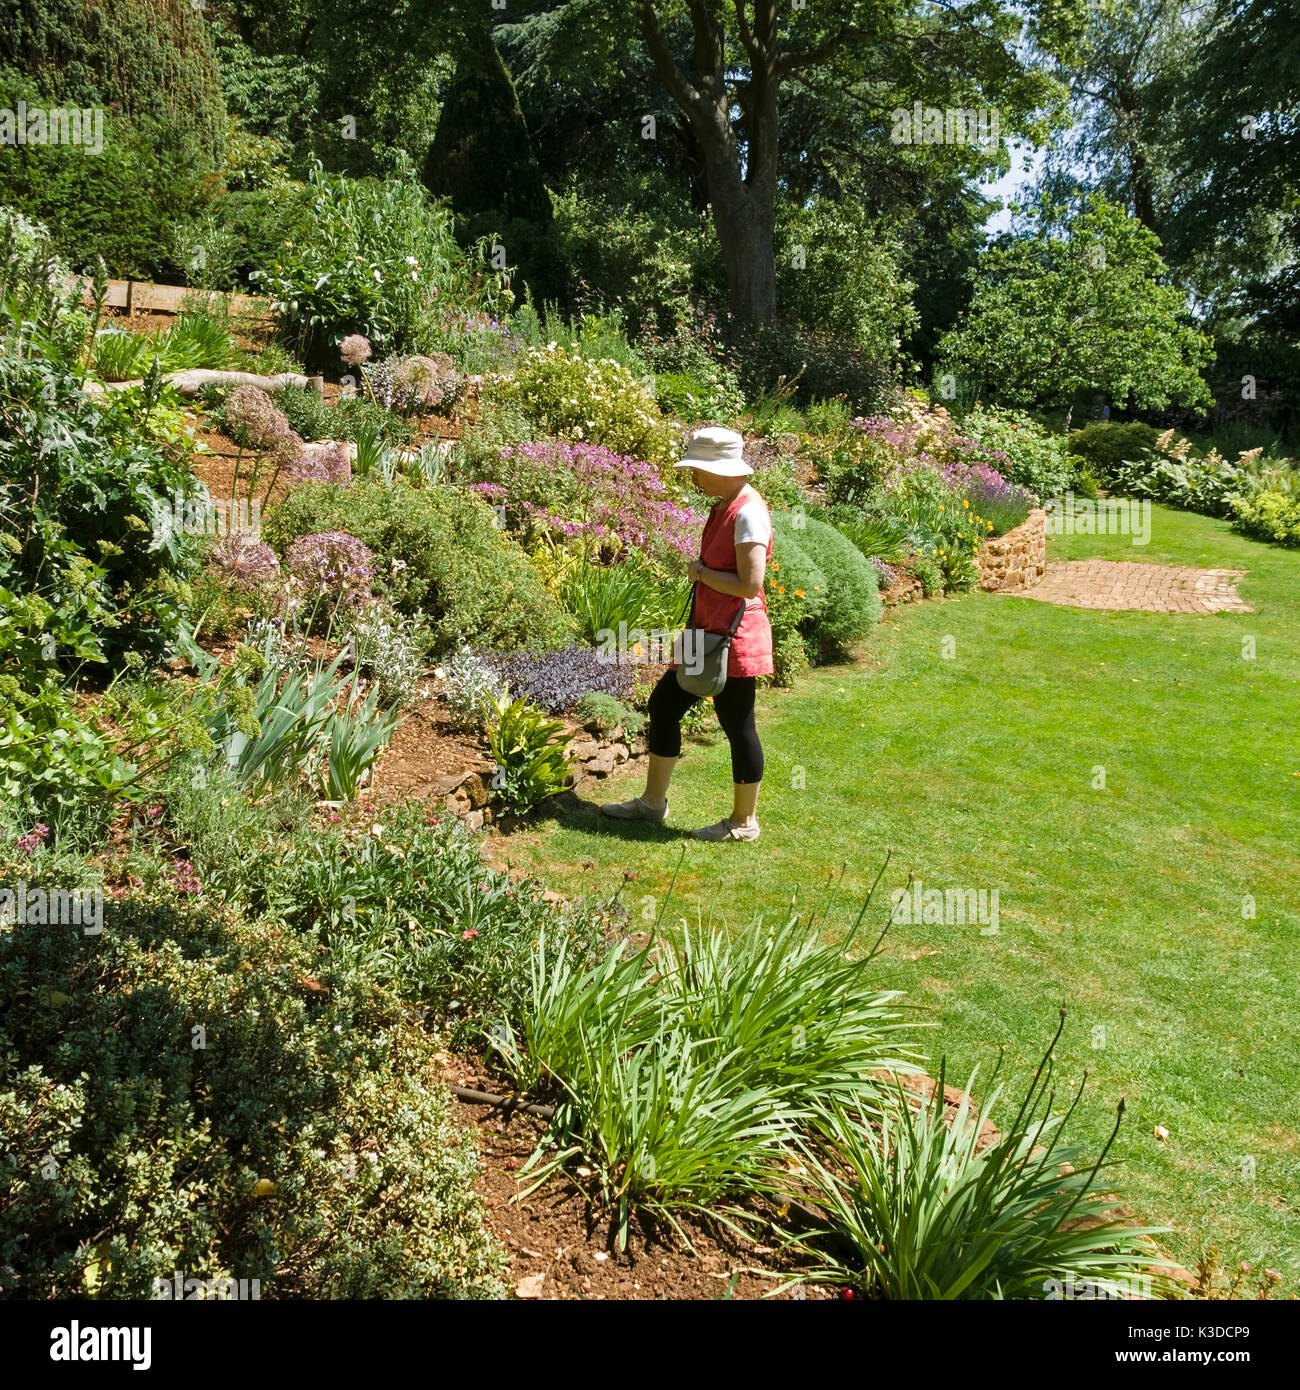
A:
(144, 296)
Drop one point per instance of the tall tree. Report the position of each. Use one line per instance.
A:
(729, 65)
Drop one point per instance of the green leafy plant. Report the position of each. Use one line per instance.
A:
(683, 1073)
(877, 537)
(605, 713)
(355, 734)
(380, 259)
(408, 900)
(442, 555)
(532, 759)
(1021, 450)
(588, 400)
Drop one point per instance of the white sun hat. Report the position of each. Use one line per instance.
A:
(718, 451)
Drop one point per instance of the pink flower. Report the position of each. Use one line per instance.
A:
(34, 839)
(468, 935)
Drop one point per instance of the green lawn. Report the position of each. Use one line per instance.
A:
(1122, 904)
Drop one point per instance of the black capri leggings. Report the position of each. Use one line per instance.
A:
(735, 711)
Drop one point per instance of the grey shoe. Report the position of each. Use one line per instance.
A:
(727, 830)
(636, 809)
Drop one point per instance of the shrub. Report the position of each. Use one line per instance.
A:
(850, 464)
(133, 1150)
(469, 688)
(307, 414)
(1105, 444)
(1268, 515)
(440, 555)
(586, 494)
(584, 400)
(1022, 451)
(380, 260)
(703, 397)
(604, 713)
(386, 647)
(815, 360)
(796, 592)
(557, 680)
(410, 900)
(852, 598)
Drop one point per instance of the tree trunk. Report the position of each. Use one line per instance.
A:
(743, 205)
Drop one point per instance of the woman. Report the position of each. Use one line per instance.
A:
(734, 551)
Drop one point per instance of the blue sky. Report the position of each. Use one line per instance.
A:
(1025, 164)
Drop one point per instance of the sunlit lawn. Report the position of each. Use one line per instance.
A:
(1124, 904)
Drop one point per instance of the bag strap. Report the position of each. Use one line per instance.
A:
(689, 611)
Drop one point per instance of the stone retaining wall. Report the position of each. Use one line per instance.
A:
(1012, 563)
(467, 794)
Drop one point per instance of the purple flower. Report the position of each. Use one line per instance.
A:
(557, 680)
(330, 464)
(331, 562)
(36, 837)
(254, 423)
(246, 563)
(587, 489)
(883, 570)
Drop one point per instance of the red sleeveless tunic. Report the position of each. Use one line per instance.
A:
(751, 648)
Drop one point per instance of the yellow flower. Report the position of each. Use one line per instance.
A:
(990, 525)
(964, 502)
(776, 566)
(780, 588)
(941, 506)
(799, 593)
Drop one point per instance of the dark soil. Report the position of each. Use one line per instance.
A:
(561, 1246)
(426, 746)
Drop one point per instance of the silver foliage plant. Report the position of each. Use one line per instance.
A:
(469, 687)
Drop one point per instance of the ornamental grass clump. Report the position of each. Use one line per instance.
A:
(684, 1073)
(918, 1207)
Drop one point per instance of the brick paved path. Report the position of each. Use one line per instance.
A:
(1118, 584)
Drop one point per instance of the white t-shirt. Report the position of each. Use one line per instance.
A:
(753, 524)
